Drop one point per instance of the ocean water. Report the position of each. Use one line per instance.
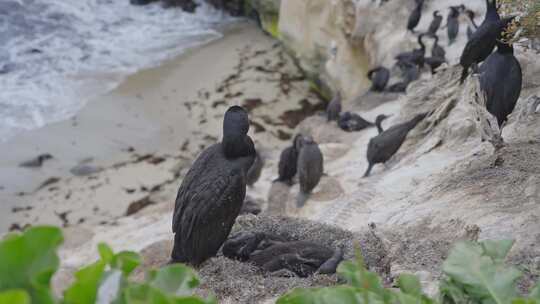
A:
(55, 55)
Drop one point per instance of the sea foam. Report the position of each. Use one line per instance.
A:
(55, 55)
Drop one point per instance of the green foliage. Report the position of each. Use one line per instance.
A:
(29, 260)
(474, 273)
(479, 271)
(14, 296)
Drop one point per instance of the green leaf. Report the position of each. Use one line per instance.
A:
(410, 284)
(126, 261)
(29, 260)
(483, 278)
(357, 276)
(175, 279)
(144, 294)
(524, 301)
(105, 252)
(84, 289)
(497, 250)
(14, 296)
(535, 292)
(451, 292)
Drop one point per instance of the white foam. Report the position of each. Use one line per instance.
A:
(86, 48)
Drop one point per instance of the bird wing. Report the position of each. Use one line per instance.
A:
(208, 223)
(195, 173)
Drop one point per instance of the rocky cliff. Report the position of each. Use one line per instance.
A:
(447, 180)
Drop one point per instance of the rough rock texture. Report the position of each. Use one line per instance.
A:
(319, 33)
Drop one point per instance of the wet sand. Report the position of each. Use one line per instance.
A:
(141, 135)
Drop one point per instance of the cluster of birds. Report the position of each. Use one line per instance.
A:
(213, 191)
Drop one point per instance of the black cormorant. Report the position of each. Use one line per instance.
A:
(437, 50)
(416, 56)
(483, 41)
(379, 77)
(288, 161)
(254, 172)
(501, 80)
(310, 169)
(212, 192)
(452, 24)
(273, 254)
(334, 107)
(415, 16)
(435, 23)
(434, 63)
(398, 87)
(378, 122)
(352, 122)
(409, 71)
(383, 146)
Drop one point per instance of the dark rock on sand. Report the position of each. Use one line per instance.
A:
(84, 169)
(138, 205)
(37, 161)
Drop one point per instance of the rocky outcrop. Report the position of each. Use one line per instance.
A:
(319, 33)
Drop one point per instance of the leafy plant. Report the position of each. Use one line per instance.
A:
(474, 273)
(29, 260)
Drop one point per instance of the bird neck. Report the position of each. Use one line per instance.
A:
(422, 46)
(379, 126)
(504, 48)
(237, 145)
(491, 12)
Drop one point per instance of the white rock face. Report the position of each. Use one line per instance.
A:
(447, 176)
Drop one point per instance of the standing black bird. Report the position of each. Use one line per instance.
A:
(379, 77)
(416, 56)
(383, 146)
(501, 80)
(212, 192)
(452, 24)
(470, 31)
(378, 122)
(437, 50)
(334, 107)
(483, 41)
(435, 23)
(288, 161)
(409, 71)
(310, 169)
(415, 16)
(352, 122)
(254, 172)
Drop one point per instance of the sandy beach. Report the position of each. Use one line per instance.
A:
(134, 141)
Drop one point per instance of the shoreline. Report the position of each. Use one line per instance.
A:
(137, 138)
